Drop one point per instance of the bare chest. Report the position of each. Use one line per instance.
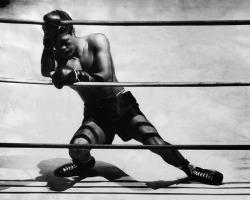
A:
(84, 62)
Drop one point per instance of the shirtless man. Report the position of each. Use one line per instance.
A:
(68, 59)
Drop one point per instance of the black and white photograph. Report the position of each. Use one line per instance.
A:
(124, 99)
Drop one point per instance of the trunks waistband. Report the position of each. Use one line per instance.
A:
(107, 101)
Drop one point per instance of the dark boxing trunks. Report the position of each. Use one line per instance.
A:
(113, 115)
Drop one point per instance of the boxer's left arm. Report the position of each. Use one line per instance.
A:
(102, 71)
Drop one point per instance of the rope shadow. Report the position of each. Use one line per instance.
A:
(165, 184)
(47, 167)
(102, 169)
(113, 178)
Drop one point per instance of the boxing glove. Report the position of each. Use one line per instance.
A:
(53, 25)
(52, 19)
(64, 76)
(68, 76)
(51, 29)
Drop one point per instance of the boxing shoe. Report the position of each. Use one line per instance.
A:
(206, 176)
(73, 169)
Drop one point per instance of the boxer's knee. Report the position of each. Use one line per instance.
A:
(80, 154)
(88, 133)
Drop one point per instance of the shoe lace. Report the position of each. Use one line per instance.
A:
(202, 174)
(69, 167)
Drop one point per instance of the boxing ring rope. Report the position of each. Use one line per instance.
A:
(132, 84)
(135, 84)
(141, 147)
(134, 23)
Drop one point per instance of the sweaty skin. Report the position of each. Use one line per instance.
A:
(91, 54)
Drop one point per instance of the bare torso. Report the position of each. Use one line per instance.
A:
(86, 59)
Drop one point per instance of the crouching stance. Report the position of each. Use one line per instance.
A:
(68, 59)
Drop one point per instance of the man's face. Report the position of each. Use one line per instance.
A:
(64, 45)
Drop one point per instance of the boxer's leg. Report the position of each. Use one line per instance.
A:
(88, 133)
(143, 131)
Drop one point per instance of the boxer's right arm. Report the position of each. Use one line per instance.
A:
(48, 56)
(47, 62)
(52, 22)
